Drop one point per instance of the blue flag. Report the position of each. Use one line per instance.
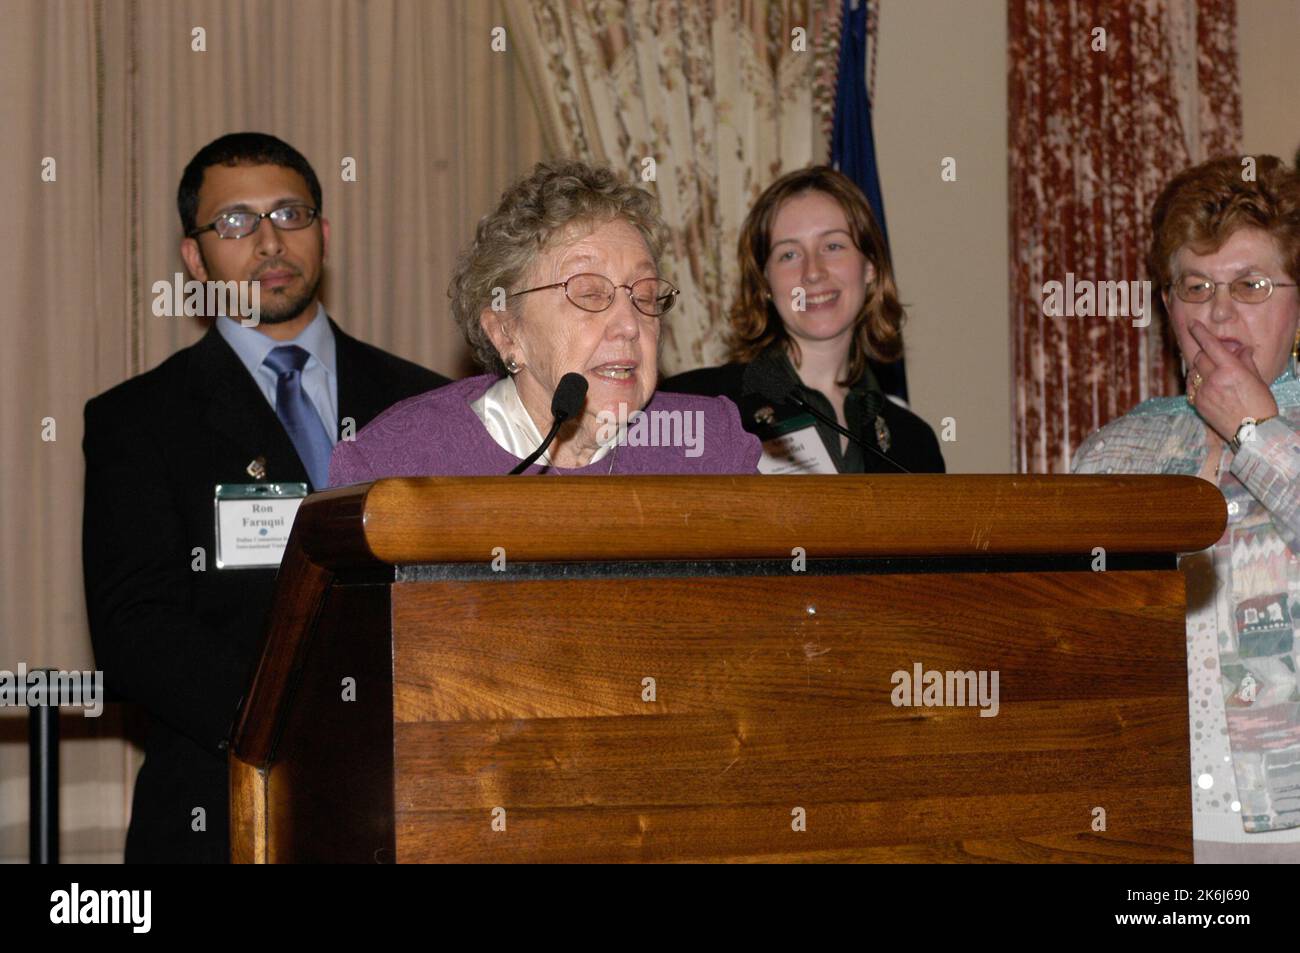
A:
(853, 147)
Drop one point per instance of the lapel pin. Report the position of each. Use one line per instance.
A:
(765, 415)
(882, 434)
(257, 468)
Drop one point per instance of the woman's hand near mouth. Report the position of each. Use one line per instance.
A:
(1227, 386)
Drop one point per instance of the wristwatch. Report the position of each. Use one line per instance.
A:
(1246, 432)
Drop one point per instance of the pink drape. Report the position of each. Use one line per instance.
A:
(1094, 135)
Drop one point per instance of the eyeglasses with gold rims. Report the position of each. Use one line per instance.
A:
(1250, 289)
(653, 297)
(239, 224)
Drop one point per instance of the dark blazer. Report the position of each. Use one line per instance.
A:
(912, 442)
(177, 640)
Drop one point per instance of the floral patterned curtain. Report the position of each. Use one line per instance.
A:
(722, 95)
(1108, 100)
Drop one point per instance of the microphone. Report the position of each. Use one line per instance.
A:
(570, 394)
(770, 384)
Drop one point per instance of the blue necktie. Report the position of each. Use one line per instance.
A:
(298, 415)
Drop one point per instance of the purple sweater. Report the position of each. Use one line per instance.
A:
(438, 434)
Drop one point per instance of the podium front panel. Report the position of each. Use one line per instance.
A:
(589, 714)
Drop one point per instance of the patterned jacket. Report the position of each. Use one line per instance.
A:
(1243, 604)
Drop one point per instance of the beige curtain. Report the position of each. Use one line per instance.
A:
(722, 95)
(58, 340)
(438, 123)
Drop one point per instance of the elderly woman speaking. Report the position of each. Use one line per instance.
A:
(1226, 251)
(561, 284)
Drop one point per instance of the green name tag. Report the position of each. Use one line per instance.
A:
(253, 522)
(794, 446)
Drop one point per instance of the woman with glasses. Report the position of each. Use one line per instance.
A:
(1226, 252)
(562, 278)
(816, 303)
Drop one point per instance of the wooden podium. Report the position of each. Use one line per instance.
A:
(717, 668)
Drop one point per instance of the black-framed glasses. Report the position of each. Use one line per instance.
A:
(288, 218)
(1251, 289)
(653, 297)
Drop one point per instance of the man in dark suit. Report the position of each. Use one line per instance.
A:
(246, 405)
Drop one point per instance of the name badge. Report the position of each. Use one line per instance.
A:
(253, 522)
(795, 446)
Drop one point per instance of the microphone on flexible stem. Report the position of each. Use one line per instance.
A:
(773, 386)
(570, 394)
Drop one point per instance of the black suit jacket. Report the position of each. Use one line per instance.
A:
(177, 640)
(912, 442)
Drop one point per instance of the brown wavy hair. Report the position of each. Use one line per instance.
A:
(755, 322)
(1204, 205)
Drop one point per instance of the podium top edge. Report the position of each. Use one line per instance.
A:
(445, 519)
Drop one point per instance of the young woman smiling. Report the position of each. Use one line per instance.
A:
(816, 301)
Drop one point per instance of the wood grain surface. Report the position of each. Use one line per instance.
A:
(527, 696)
(330, 786)
(456, 520)
(248, 834)
(773, 693)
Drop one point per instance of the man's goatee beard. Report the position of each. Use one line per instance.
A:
(291, 310)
